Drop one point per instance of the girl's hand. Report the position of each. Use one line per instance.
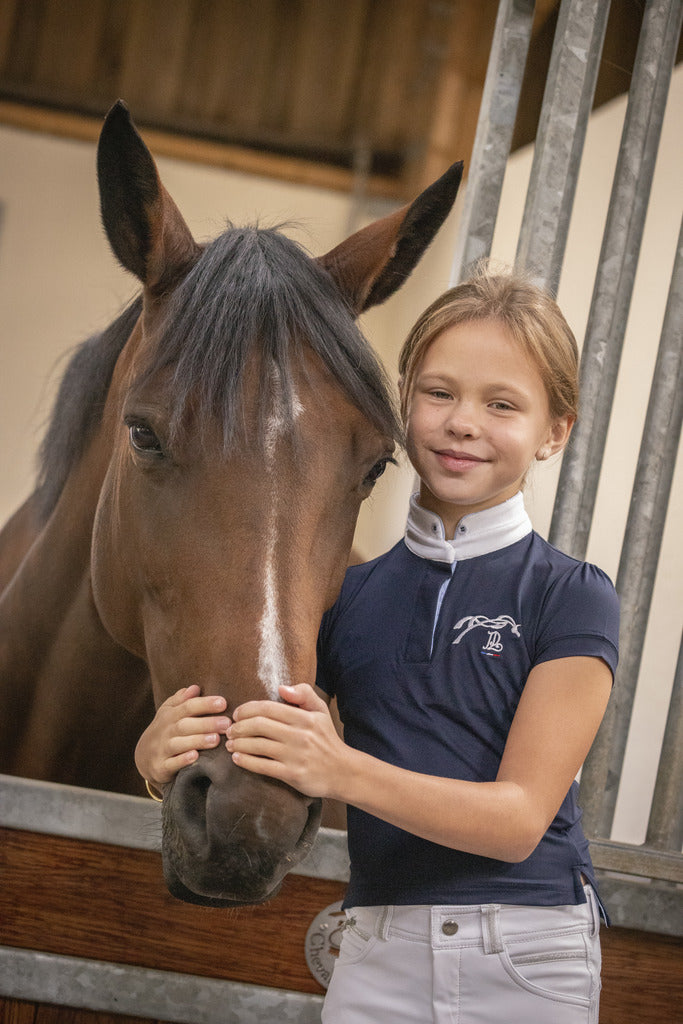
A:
(183, 725)
(295, 742)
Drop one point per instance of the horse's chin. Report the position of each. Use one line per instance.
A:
(229, 837)
(204, 887)
(180, 891)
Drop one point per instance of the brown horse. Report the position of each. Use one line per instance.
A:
(200, 483)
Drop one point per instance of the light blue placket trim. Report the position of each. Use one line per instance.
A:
(479, 533)
(439, 601)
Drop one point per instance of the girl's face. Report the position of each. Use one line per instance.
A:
(478, 416)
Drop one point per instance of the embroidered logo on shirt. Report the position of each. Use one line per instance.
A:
(493, 647)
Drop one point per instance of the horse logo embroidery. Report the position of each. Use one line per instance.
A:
(493, 647)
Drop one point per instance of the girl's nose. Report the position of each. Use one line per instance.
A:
(462, 422)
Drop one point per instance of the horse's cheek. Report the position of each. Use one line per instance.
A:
(111, 595)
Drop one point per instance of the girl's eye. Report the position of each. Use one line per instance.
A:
(436, 393)
(143, 439)
(505, 406)
(377, 471)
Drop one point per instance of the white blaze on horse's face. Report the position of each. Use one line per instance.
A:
(273, 670)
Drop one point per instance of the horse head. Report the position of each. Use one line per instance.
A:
(247, 420)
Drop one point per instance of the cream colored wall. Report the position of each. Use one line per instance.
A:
(59, 283)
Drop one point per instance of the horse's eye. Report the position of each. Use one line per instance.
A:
(143, 439)
(377, 471)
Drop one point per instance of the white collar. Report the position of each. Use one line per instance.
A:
(479, 533)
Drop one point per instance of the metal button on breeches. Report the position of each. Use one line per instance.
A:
(449, 927)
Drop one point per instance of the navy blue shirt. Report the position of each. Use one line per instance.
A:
(428, 657)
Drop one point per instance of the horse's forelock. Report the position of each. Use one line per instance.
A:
(255, 291)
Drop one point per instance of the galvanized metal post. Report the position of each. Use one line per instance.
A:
(567, 103)
(665, 827)
(639, 556)
(577, 488)
(495, 127)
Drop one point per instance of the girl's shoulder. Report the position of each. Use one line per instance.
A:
(578, 600)
(376, 568)
(382, 574)
(566, 571)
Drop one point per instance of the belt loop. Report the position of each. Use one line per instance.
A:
(384, 922)
(595, 911)
(490, 927)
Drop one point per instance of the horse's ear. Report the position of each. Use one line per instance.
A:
(144, 226)
(374, 262)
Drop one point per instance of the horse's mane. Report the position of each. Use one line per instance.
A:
(79, 405)
(250, 287)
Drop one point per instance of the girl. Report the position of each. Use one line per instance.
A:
(472, 665)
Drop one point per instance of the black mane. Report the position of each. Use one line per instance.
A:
(79, 405)
(251, 287)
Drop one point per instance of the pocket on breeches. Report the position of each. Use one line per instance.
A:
(356, 944)
(562, 969)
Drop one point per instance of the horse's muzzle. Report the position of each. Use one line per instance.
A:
(229, 836)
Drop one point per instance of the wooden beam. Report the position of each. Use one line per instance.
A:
(85, 899)
(201, 151)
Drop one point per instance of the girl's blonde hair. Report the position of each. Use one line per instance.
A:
(530, 315)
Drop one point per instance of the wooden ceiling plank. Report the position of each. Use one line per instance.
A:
(151, 77)
(324, 71)
(267, 46)
(20, 59)
(215, 62)
(106, 76)
(10, 11)
(451, 131)
(388, 72)
(75, 29)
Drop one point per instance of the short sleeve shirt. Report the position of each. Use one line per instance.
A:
(428, 657)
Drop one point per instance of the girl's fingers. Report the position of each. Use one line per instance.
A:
(296, 699)
(268, 710)
(304, 696)
(196, 726)
(190, 700)
(172, 765)
(197, 706)
(259, 727)
(185, 693)
(201, 741)
(256, 746)
(261, 766)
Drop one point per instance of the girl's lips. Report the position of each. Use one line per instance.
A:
(458, 461)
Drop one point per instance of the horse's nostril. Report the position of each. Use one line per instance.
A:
(197, 791)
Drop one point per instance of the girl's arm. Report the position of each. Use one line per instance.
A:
(554, 726)
(183, 725)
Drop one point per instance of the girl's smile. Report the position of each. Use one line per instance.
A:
(458, 461)
(478, 417)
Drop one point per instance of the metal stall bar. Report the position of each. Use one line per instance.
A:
(567, 104)
(665, 827)
(493, 140)
(639, 556)
(578, 484)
